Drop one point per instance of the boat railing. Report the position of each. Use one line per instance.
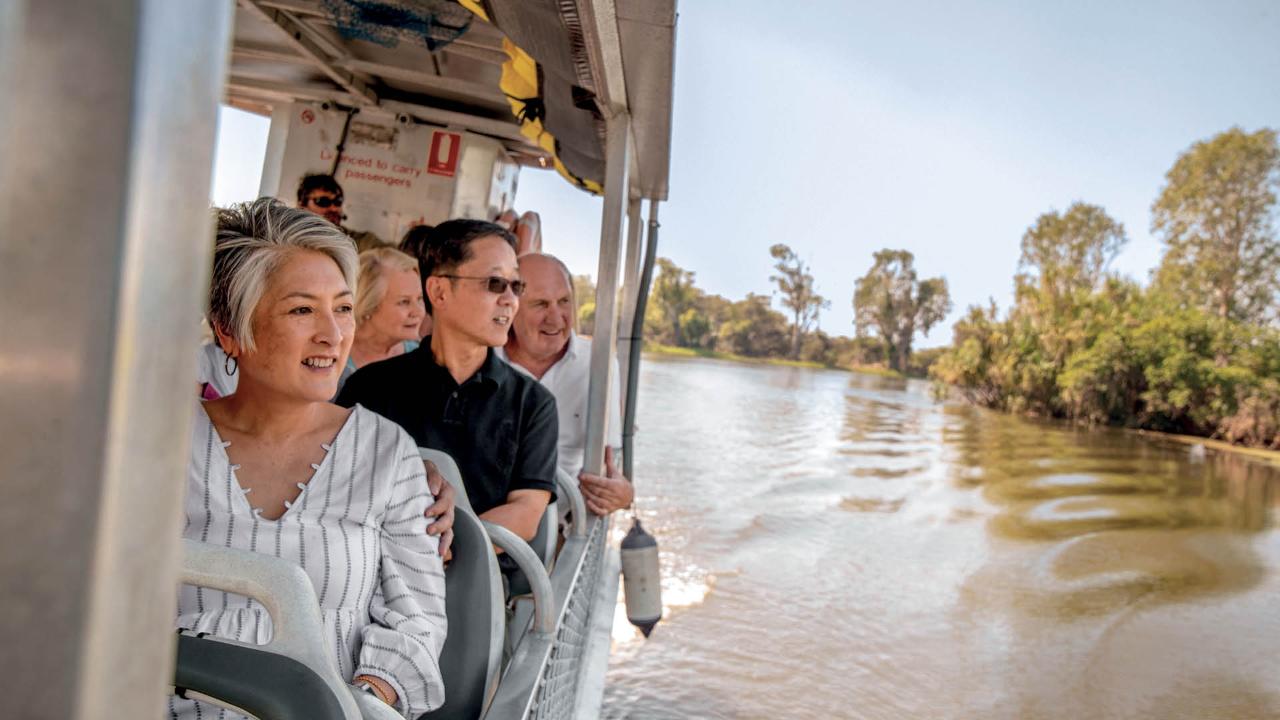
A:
(542, 679)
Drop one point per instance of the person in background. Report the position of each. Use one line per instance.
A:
(528, 232)
(543, 345)
(276, 468)
(526, 227)
(507, 219)
(389, 308)
(413, 244)
(454, 394)
(322, 195)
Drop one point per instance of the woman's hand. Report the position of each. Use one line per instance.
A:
(380, 687)
(441, 511)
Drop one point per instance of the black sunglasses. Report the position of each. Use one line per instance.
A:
(493, 283)
(325, 202)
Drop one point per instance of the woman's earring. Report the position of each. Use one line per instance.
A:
(230, 365)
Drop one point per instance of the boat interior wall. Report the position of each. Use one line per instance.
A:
(108, 128)
(395, 173)
(485, 185)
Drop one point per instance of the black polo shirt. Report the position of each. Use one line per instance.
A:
(499, 425)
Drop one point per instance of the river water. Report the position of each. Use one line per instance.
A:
(841, 545)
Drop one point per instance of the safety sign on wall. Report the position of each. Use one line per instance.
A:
(443, 158)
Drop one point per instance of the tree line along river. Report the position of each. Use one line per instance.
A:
(843, 545)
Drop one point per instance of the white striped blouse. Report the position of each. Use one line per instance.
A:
(358, 530)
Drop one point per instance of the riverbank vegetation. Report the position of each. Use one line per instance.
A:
(1196, 352)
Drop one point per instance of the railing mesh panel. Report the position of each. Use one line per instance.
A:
(558, 687)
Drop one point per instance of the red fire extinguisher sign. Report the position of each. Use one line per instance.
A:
(443, 159)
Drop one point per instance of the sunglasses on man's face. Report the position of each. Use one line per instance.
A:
(326, 202)
(493, 283)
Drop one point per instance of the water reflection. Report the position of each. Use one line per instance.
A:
(1130, 518)
(859, 550)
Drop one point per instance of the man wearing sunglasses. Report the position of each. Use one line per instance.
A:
(322, 195)
(455, 394)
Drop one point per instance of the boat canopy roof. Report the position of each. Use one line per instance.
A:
(541, 76)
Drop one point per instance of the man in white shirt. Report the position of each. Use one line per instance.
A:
(543, 345)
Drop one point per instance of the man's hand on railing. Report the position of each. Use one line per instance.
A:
(441, 510)
(605, 494)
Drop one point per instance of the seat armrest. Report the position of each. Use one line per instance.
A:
(289, 598)
(544, 618)
(568, 488)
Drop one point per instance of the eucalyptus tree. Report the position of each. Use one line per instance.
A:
(1215, 214)
(1066, 255)
(893, 302)
(795, 286)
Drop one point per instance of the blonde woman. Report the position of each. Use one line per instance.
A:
(276, 468)
(389, 308)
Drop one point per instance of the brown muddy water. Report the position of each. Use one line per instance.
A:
(840, 545)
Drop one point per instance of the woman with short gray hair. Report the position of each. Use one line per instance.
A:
(275, 468)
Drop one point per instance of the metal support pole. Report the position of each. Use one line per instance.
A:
(616, 189)
(12, 14)
(273, 159)
(104, 193)
(631, 278)
(632, 388)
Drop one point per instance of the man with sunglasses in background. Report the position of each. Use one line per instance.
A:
(322, 195)
(455, 394)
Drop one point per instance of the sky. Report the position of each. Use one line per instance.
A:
(944, 129)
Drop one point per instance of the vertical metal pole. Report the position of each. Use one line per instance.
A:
(12, 13)
(631, 390)
(631, 278)
(273, 159)
(104, 187)
(616, 189)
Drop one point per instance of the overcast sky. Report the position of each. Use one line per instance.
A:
(943, 128)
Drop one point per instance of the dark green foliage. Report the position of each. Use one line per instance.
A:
(1215, 214)
(1195, 353)
(754, 329)
(893, 303)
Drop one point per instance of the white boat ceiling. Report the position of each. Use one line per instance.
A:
(442, 64)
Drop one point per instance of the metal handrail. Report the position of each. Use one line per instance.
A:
(528, 663)
(544, 599)
(569, 489)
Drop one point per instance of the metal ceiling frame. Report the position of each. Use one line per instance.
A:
(304, 39)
